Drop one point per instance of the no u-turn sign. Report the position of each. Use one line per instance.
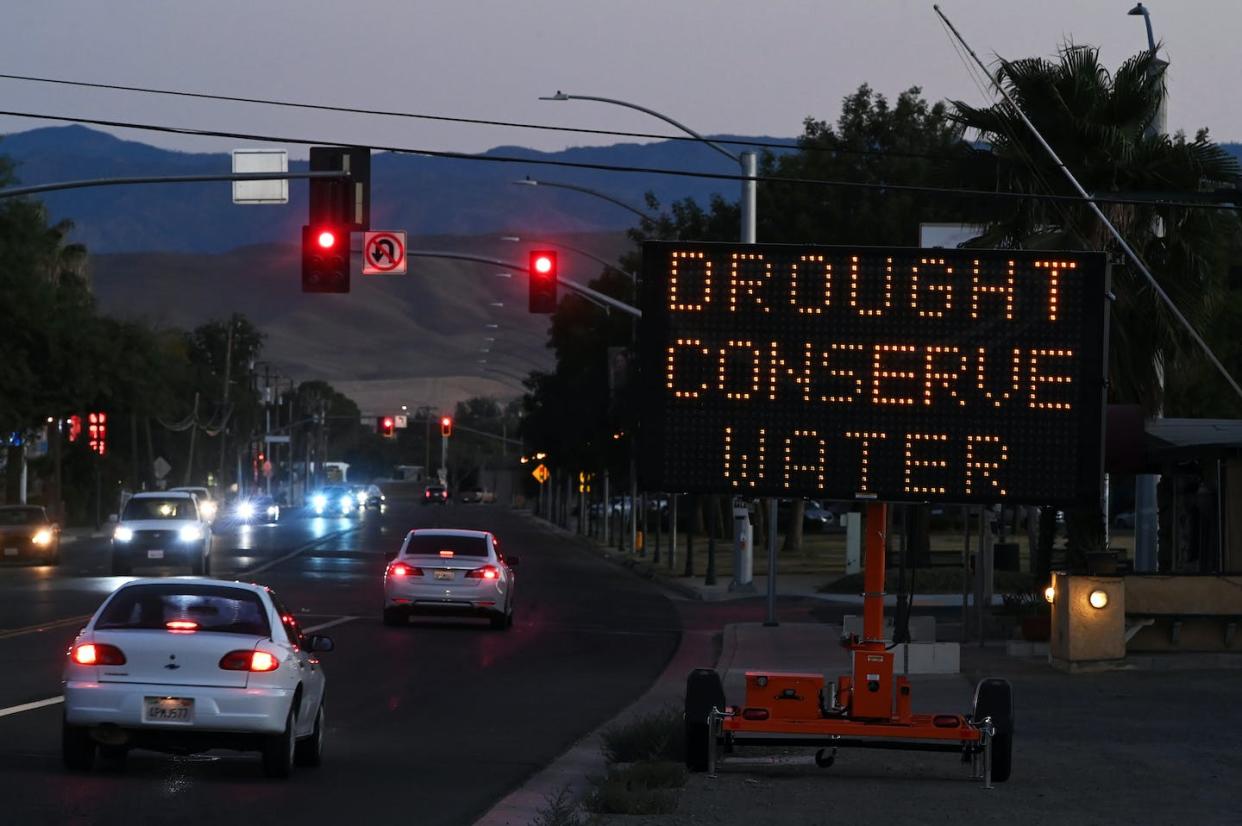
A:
(383, 253)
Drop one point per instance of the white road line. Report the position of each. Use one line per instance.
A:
(50, 701)
(294, 553)
(44, 626)
(331, 623)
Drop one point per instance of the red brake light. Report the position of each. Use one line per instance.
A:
(448, 554)
(181, 626)
(401, 569)
(249, 661)
(98, 654)
(486, 572)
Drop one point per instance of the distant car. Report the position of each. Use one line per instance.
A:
(187, 665)
(435, 495)
(159, 529)
(207, 505)
(27, 535)
(374, 497)
(471, 496)
(256, 509)
(334, 500)
(450, 572)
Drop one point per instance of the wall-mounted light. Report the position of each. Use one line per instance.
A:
(1098, 598)
(1050, 593)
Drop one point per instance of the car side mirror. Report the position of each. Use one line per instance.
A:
(511, 561)
(320, 643)
(112, 517)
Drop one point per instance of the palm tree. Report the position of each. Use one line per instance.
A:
(1100, 123)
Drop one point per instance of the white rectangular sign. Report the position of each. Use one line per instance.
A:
(261, 192)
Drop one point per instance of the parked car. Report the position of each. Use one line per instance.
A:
(28, 535)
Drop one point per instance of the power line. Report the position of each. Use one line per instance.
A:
(603, 167)
(322, 107)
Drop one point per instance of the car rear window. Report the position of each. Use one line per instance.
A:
(215, 608)
(170, 508)
(22, 516)
(430, 544)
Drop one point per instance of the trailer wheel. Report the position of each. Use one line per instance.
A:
(704, 691)
(994, 698)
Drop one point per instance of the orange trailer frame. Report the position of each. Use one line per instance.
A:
(866, 709)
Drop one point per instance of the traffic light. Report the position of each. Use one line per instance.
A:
(446, 426)
(75, 427)
(325, 258)
(543, 273)
(386, 426)
(97, 432)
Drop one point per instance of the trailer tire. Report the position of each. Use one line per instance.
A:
(704, 691)
(994, 698)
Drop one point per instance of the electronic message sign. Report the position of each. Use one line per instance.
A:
(889, 374)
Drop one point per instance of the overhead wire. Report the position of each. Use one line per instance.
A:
(604, 167)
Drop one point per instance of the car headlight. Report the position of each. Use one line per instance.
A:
(122, 534)
(272, 510)
(43, 536)
(319, 502)
(190, 533)
(362, 497)
(347, 503)
(209, 510)
(245, 510)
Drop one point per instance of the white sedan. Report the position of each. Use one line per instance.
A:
(189, 664)
(450, 572)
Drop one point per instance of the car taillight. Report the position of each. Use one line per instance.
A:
(401, 569)
(91, 653)
(181, 626)
(249, 661)
(486, 572)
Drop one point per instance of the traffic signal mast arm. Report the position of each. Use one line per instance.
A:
(17, 191)
(596, 295)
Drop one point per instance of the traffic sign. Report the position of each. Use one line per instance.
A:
(874, 373)
(383, 253)
(541, 474)
(401, 422)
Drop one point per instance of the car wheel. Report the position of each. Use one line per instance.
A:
(120, 567)
(393, 616)
(77, 749)
(278, 750)
(309, 751)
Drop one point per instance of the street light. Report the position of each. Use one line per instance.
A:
(1141, 10)
(746, 160)
(529, 181)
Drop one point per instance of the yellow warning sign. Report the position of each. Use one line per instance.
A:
(541, 474)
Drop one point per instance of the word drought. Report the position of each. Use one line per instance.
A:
(888, 373)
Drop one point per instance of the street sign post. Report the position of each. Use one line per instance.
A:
(383, 253)
(874, 374)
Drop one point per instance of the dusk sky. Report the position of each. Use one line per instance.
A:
(720, 67)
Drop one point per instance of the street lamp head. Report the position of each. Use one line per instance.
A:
(504, 275)
(511, 238)
(1139, 9)
(527, 181)
(558, 96)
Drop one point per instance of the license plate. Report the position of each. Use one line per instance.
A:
(155, 554)
(444, 574)
(10, 551)
(168, 710)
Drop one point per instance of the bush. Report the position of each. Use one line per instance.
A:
(646, 788)
(561, 810)
(657, 736)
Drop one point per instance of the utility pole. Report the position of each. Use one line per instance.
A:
(224, 397)
(267, 425)
(189, 462)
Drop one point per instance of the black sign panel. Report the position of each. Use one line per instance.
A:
(894, 374)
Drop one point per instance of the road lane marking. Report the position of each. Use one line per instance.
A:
(50, 701)
(43, 626)
(295, 552)
(330, 624)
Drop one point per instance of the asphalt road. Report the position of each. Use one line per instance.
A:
(427, 724)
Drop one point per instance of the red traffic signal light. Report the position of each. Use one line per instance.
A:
(386, 426)
(543, 273)
(325, 259)
(446, 426)
(97, 432)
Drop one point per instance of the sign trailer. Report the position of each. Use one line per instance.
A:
(877, 374)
